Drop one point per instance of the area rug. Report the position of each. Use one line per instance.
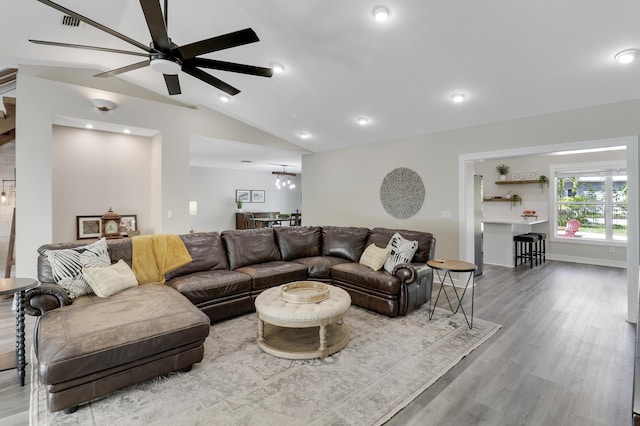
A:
(387, 363)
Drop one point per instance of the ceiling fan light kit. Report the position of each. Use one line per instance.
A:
(166, 57)
(458, 97)
(277, 68)
(103, 104)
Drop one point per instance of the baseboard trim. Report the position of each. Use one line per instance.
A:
(588, 260)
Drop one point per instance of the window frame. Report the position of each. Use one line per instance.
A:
(597, 168)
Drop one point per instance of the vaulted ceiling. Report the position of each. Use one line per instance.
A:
(509, 58)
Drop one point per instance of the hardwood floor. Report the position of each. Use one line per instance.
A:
(563, 357)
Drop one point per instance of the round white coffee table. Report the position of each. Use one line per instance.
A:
(302, 330)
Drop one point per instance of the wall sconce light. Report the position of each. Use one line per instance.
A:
(103, 104)
(3, 194)
(281, 183)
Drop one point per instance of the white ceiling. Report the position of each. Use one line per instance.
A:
(511, 58)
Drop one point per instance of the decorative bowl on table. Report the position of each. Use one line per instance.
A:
(304, 292)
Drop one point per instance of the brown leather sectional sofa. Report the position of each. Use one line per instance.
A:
(228, 271)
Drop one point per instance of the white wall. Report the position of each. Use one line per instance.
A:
(349, 195)
(41, 100)
(95, 170)
(214, 190)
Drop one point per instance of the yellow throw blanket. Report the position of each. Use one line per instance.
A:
(154, 255)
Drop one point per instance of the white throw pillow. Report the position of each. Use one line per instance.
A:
(110, 280)
(374, 257)
(402, 251)
(67, 265)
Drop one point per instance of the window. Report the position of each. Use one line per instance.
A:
(591, 202)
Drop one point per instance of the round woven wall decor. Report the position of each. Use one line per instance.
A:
(402, 193)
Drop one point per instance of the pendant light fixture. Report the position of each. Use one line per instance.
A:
(280, 183)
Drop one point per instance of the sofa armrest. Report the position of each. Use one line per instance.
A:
(45, 297)
(411, 272)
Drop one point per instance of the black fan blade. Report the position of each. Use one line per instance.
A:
(209, 79)
(173, 84)
(155, 22)
(123, 69)
(82, 46)
(96, 25)
(230, 66)
(213, 44)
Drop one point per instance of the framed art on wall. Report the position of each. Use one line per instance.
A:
(243, 195)
(257, 196)
(88, 227)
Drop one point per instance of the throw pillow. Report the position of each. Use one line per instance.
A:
(402, 251)
(374, 257)
(110, 280)
(67, 264)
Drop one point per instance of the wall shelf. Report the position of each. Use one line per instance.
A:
(516, 182)
(502, 200)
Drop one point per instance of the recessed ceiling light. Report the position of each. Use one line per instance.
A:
(381, 13)
(277, 68)
(363, 121)
(303, 135)
(88, 126)
(224, 98)
(458, 97)
(627, 56)
(127, 131)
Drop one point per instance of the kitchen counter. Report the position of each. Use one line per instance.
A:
(498, 236)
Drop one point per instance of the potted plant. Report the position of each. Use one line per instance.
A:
(515, 198)
(542, 180)
(502, 169)
(239, 206)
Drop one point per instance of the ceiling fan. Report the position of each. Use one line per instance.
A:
(168, 58)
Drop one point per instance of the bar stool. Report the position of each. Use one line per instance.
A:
(524, 250)
(540, 246)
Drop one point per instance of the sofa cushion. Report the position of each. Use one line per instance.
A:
(402, 251)
(200, 287)
(366, 278)
(250, 247)
(67, 265)
(295, 242)
(78, 341)
(374, 257)
(426, 241)
(270, 274)
(207, 252)
(343, 241)
(110, 280)
(320, 266)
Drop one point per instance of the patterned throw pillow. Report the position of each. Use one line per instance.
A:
(374, 257)
(402, 251)
(67, 264)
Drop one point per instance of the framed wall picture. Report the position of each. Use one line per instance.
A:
(88, 227)
(243, 195)
(257, 196)
(128, 223)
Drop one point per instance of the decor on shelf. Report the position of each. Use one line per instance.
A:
(239, 206)
(543, 179)
(514, 199)
(402, 193)
(281, 183)
(88, 227)
(502, 169)
(517, 176)
(111, 224)
(128, 224)
(257, 196)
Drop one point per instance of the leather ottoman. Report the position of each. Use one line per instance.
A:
(98, 345)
